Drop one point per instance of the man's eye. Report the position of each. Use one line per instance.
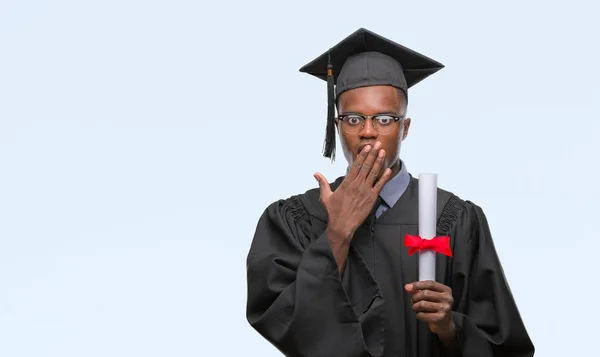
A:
(385, 120)
(354, 120)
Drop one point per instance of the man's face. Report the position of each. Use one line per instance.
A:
(372, 101)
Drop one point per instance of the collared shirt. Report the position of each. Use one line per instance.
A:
(393, 189)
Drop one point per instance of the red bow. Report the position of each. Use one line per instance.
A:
(437, 244)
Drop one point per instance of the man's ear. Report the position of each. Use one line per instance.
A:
(406, 127)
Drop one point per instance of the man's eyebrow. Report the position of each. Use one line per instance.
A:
(391, 112)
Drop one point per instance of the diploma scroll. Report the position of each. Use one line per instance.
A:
(427, 223)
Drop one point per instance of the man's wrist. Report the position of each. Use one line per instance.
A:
(340, 237)
(448, 335)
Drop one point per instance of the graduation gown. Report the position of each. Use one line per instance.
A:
(298, 301)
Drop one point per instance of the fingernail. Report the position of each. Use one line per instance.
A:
(367, 148)
(377, 145)
(381, 153)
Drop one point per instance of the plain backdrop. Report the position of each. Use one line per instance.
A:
(141, 140)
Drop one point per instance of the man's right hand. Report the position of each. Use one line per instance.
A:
(351, 203)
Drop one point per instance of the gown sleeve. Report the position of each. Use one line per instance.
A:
(487, 320)
(296, 299)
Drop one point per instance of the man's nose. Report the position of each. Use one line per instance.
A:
(368, 131)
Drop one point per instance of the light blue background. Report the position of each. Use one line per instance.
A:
(141, 140)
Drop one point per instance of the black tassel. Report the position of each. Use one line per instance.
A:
(329, 150)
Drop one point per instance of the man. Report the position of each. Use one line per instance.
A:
(328, 271)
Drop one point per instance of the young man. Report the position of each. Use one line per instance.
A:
(329, 273)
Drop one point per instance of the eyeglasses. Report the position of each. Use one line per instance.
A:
(383, 123)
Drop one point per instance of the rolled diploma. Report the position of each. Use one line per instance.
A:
(427, 223)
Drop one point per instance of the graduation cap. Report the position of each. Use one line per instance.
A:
(366, 59)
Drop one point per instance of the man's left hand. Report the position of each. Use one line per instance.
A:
(432, 302)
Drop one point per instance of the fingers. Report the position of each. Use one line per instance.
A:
(376, 169)
(432, 303)
(427, 285)
(323, 185)
(428, 306)
(357, 165)
(378, 187)
(369, 161)
(432, 311)
(429, 295)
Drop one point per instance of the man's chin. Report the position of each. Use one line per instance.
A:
(389, 164)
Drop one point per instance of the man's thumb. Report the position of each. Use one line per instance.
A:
(323, 184)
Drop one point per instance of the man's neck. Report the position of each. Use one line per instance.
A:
(395, 168)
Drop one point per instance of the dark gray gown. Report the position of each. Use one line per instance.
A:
(297, 301)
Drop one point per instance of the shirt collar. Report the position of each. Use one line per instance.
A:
(394, 188)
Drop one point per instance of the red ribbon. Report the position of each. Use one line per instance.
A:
(437, 244)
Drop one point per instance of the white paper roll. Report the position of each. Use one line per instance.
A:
(427, 223)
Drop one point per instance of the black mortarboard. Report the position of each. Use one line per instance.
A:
(366, 59)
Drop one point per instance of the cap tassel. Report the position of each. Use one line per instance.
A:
(329, 150)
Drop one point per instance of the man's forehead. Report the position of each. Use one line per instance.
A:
(373, 99)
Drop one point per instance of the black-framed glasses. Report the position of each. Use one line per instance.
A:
(382, 123)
